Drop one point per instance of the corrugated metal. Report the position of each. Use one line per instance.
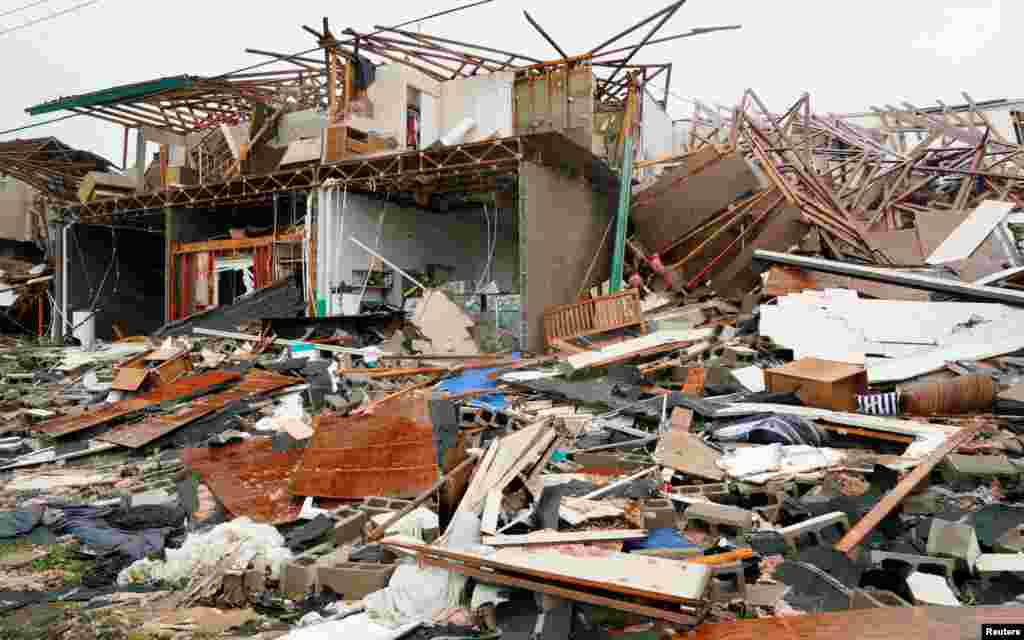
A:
(142, 433)
(388, 454)
(167, 393)
(112, 95)
(251, 479)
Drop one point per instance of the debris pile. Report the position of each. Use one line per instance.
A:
(797, 392)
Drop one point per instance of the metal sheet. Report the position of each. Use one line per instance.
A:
(251, 479)
(167, 393)
(142, 433)
(388, 454)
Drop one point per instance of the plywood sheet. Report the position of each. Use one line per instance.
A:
(971, 233)
(686, 452)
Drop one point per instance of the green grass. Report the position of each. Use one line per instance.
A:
(63, 558)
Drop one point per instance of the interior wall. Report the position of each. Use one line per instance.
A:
(133, 293)
(389, 96)
(562, 223)
(487, 99)
(656, 132)
(15, 209)
(413, 238)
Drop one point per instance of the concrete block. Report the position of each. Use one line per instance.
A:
(733, 572)
(765, 595)
(958, 466)
(715, 516)
(351, 526)
(658, 513)
(931, 590)
(947, 565)
(1000, 562)
(1012, 541)
(813, 528)
(355, 580)
(953, 540)
(375, 506)
(299, 578)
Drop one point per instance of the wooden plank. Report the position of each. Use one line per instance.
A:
(686, 452)
(902, 489)
(239, 243)
(653, 343)
(884, 623)
(646, 577)
(491, 577)
(563, 537)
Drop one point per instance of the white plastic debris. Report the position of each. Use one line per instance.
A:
(413, 524)
(241, 538)
(289, 416)
(755, 463)
(309, 510)
(358, 626)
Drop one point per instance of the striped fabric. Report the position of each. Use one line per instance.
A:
(880, 404)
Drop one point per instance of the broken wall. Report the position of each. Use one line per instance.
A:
(656, 133)
(486, 99)
(133, 293)
(412, 238)
(561, 224)
(389, 95)
(556, 101)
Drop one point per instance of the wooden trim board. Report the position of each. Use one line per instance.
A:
(564, 537)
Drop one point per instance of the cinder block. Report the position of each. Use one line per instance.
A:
(953, 540)
(946, 564)
(957, 467)
(813, 528)
(715, 516)
(658, 513)
(706, 490)
(374, 506)
(355, 580)
(734, 574)
(299, 578)
(351, 526)
(1012, 541)
(999, 563)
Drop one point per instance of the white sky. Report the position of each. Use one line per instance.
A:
(848, 55)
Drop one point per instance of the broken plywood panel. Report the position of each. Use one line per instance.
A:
(968, 235)
(933, 228)
(686, 452)
(444, 324)
(657, 340)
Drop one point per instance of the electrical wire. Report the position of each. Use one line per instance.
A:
(23, 7)
(53, 15)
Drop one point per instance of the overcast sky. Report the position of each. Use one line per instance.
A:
(847, 55)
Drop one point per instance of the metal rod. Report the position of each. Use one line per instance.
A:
(630, 30)
(650, 34)
(456, 42)
(891, 276)
(544, 33)
(689, 34)
(388, 262)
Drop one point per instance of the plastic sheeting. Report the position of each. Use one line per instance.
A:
(771, 429)
(413, 524)
(200, 553)
(358, 626)
(419, 593)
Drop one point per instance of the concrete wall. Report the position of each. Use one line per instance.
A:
(412, 238)
(388, 93)
(487, 99)
(561, 224)
(15, 207)
(133, 295)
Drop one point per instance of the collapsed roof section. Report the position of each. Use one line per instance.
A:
(48, 165)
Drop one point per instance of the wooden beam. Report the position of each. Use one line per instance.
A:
(903, 488)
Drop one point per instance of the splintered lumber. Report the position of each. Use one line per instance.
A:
(903, 488)
(379, 531)
(611, 571)
(564, 537)
(653, 344)
(724, 558)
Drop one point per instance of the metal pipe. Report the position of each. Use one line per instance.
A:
(890, 276)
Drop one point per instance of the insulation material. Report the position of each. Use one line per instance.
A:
(759, 464)
(201, 553)
(289, 416)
